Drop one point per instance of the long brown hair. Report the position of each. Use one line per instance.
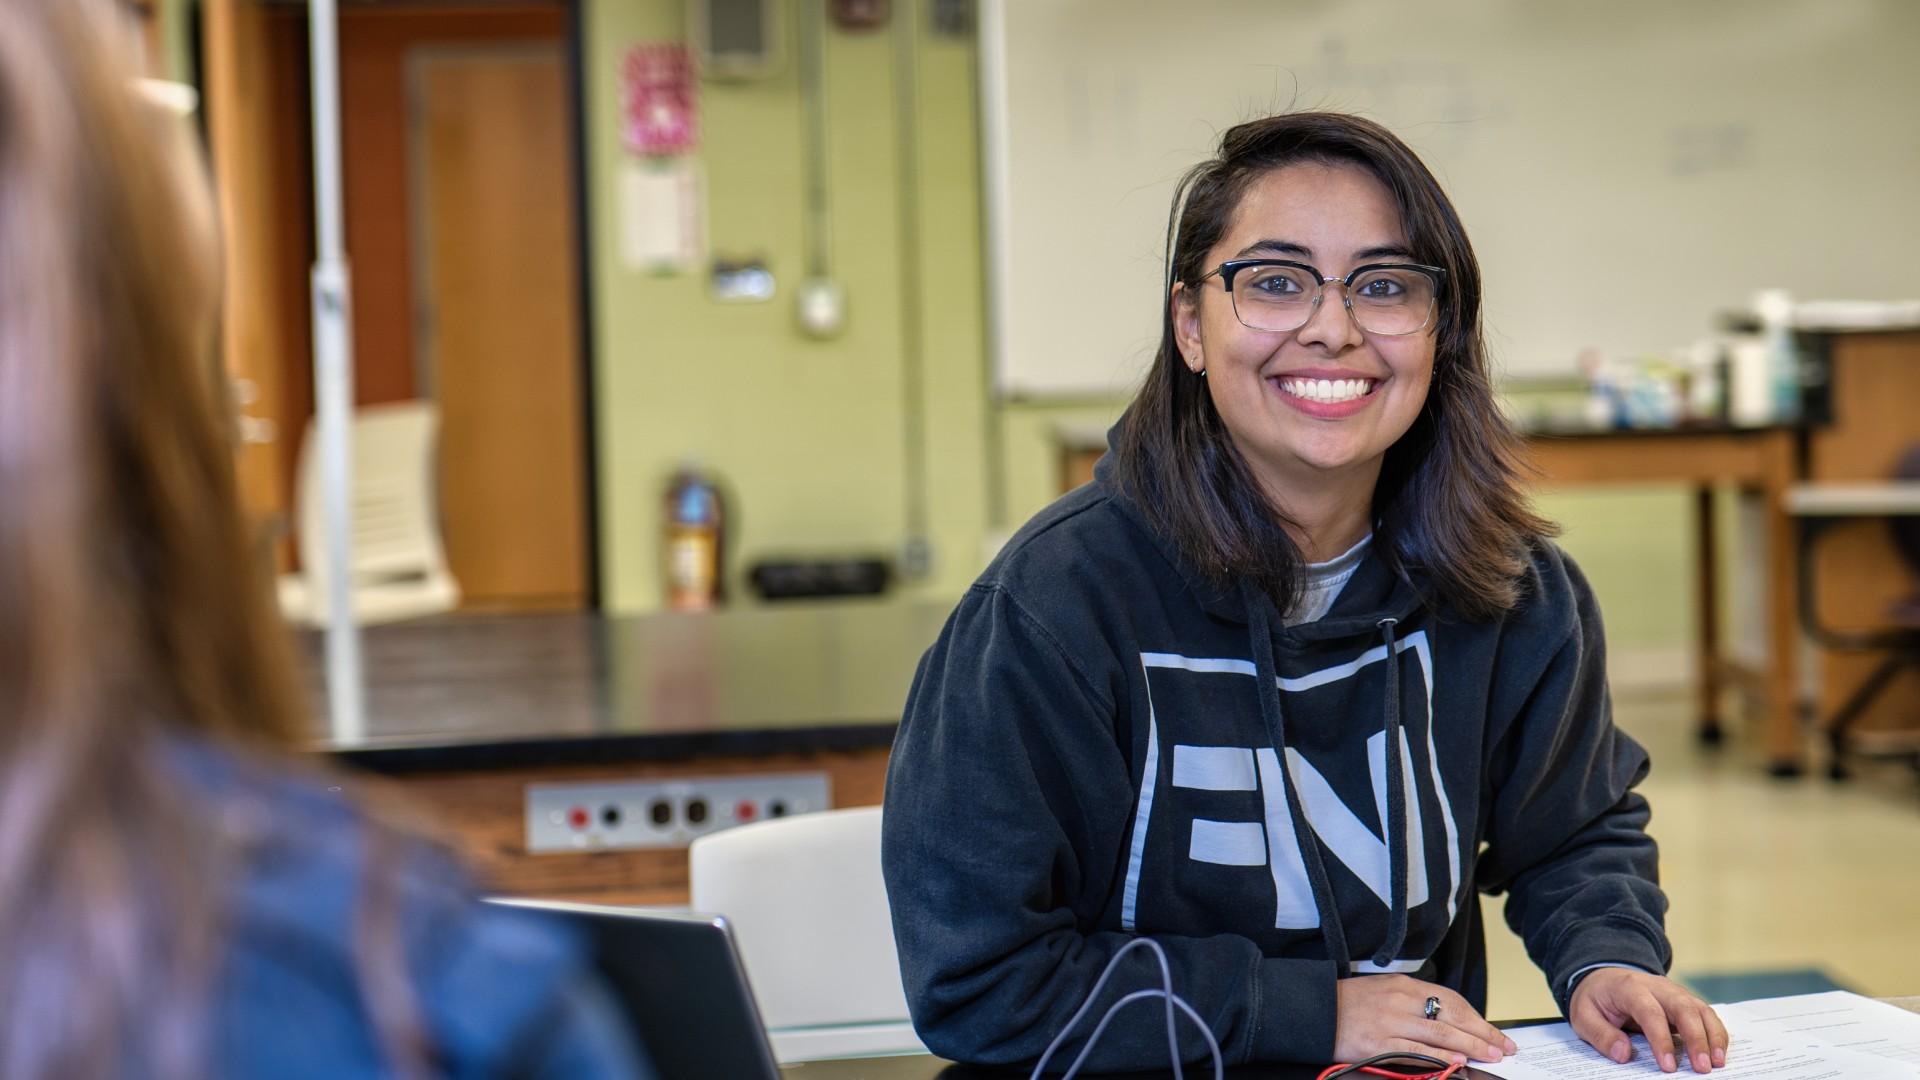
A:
(133, 611)
(1449, 503)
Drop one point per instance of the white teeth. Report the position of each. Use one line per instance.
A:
(1329, 391)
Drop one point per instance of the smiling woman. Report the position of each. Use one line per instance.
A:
(1266, 455)
(1292, 678)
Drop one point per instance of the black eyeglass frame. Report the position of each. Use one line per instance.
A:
(1232, 267)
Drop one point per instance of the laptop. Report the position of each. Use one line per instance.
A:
(679, 981)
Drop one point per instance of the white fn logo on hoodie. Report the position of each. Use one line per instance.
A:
(1272, 842)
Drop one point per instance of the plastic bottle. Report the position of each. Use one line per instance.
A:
(1750, 387)
(1775, 310)
(1598, 411)
(695, 519)
(1706, 401)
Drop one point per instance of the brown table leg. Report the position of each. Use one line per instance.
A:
(1707, 608)
(1785, 741)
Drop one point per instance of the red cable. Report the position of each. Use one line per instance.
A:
(1390, 1074)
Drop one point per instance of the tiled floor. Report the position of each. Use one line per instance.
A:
(1761, 873)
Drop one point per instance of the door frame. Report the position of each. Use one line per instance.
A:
(576, 58)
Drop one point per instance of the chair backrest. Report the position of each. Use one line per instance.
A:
(809, 910)
(1906, 530)
(396, 528)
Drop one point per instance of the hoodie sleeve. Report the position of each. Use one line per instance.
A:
(1567, 834)
(1009, 807)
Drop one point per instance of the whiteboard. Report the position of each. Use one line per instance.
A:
(1626, 170)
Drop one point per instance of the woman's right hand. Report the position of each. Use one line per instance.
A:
(1386, 1014)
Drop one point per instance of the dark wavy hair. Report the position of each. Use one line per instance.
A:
(1450, 513)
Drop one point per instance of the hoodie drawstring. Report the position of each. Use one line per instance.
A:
(1260, 636)
(1396, 823)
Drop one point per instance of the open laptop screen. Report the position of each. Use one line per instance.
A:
(678, 979)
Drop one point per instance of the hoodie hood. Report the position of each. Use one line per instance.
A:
(1375, 591)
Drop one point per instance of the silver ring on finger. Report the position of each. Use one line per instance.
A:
(1432, 1009)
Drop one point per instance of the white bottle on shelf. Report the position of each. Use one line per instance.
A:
(1750, 393)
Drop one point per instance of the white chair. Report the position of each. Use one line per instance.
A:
(399, 564)
(809, 909)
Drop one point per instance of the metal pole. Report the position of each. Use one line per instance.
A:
(996, 200)
(917, 554)
(333, 384)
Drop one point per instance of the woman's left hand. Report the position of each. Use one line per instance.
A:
(1607, 999)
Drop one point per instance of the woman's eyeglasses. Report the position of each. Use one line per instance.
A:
(1393, 299)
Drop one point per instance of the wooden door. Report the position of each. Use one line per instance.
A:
(497, 327)
(256, 131)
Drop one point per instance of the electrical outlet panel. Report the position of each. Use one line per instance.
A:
(666, 813)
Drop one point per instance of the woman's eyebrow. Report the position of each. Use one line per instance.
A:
(1277, 247)
(1288, 247)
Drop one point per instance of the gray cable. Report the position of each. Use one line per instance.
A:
(1166, 991)
(1141, 995)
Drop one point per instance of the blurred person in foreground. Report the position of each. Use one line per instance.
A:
(182, 895)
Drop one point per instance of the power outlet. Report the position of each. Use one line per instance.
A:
(619, 814)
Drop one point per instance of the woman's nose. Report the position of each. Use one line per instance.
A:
(1330, 323)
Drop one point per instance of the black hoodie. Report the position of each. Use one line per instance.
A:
(1091, 750)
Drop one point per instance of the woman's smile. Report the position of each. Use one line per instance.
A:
(1325, 395)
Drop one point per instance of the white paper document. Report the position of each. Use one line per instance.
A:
(1806, 1037)
(1840, 1019)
